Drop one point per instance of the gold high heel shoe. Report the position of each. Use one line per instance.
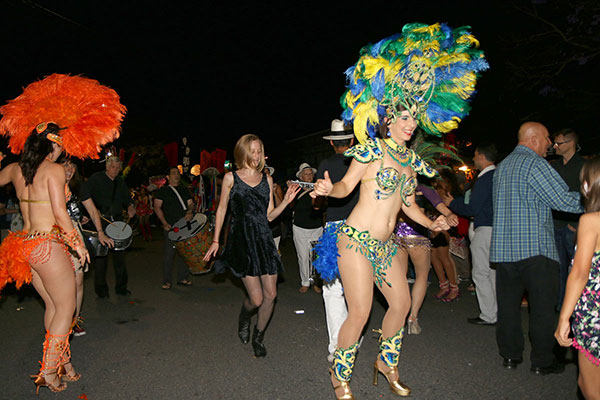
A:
(341, 371)
(389, 354)
(347, 392)
(396, 386)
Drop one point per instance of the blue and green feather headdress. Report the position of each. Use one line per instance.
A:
(430, 70)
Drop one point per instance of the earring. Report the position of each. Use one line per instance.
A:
(388, 134)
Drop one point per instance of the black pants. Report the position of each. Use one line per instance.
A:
(171, 256)
(100, 285)
(539, 276)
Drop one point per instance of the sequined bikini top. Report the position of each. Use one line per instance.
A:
(389, 179)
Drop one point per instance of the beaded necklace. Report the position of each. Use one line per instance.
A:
(400, 154)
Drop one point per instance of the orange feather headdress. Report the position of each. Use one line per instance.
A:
(89, 114)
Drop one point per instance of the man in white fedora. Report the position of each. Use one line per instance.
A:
(337, 210)
(307, 226)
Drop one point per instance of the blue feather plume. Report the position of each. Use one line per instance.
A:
(326, 263)
(378, 84)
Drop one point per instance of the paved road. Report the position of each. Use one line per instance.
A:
(182, 344)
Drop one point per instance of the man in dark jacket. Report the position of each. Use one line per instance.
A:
(479, 206)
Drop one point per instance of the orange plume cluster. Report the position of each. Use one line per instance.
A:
(13, 263)
(90, 113)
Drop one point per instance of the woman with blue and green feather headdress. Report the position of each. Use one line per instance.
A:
(422, 77)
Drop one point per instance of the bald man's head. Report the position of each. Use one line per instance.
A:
(535, 136)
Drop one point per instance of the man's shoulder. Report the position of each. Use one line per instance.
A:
(335, 162)
(184, 189)
(334, 159)
(98, 175)
(95, 179)
(523, 155)
(578, 160)
(487, 177)
(162, 191)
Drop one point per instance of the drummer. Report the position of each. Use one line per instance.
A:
(111, 195)
(172, 203)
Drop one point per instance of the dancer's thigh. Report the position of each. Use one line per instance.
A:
(356, 273)
(57, 276)
(38, 284)
(397, 295)
(402, 255)
(421, 259)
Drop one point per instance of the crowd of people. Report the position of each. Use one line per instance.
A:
(359, 220)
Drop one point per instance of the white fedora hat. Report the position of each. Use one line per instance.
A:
(338, 131)
(302, 167)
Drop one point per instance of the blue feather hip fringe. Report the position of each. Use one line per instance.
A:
(326, 263)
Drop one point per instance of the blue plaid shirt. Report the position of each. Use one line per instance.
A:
(525, 188)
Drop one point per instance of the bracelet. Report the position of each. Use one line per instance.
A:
(214, 241)
(73, 240)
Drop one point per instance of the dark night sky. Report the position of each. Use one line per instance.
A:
(216, 71)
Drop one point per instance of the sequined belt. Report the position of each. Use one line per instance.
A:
(378, 252)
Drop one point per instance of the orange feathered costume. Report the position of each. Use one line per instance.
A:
(90, 115)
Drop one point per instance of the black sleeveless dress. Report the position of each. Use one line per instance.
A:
(250, 249)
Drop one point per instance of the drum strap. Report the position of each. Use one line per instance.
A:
(179, 197)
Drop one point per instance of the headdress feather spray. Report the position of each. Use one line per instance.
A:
(431, 151)
(431, 70)
(89, 113)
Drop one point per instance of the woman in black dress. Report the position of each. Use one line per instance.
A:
(250, 252)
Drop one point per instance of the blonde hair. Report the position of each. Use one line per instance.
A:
(243, 154)
(590, 174)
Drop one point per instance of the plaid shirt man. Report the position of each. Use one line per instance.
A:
(525, 189)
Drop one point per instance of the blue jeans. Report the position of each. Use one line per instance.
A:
(565, 243)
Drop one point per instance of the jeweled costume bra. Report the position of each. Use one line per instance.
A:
(389, 179)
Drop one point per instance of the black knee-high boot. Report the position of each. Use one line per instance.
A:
(257, 343)
(244, 325)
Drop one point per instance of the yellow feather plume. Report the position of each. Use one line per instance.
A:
(363, 113)
(469, 39)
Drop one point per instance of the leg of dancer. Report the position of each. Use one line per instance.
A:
(356, 274)
(446, 272)
(55, 281)
(392, 328)
(262, 292)
(421, 258)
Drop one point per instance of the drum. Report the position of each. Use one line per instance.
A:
(120, 233)
(194, 248)
(93, 244)
(183, 229)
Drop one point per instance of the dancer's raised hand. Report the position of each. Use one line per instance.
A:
(323, 186)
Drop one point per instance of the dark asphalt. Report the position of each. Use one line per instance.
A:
(182, 344)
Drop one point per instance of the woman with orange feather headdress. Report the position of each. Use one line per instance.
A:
(60, 113)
